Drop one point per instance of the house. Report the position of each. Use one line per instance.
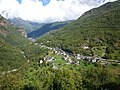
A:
(65, 58)
(69, 60)
(78, 56)
(66, 55)
(41, 61)
(93, 60)
(22, 52)
(63, 53)
(55, 52)
(78, 62)
(14, 70)
(36, 44)
(85, 47)
(28, 61)
(49, 59)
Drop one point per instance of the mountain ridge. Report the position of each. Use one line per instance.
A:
(46, 28)
(27, 25)
(92, 29)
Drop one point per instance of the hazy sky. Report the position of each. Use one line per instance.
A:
(47, 10)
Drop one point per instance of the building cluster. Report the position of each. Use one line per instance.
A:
(78, 57)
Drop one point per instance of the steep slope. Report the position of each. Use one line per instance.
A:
(94, 29)
(27, 25)
(11, 56)
(47, 28)
(11, 34)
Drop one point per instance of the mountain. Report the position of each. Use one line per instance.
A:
(11, 34)
(11, 42)
(47, 28)
(97, 29)
(27, 25)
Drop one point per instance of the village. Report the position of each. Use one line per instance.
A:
(68, 57)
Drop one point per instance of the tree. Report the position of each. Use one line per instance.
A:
(66, 79)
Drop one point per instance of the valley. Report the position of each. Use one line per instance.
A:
(82, 54)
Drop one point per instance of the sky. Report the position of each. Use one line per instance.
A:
(46, 11)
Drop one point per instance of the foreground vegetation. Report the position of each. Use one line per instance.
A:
(81, 77)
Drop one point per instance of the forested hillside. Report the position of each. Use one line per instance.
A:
(11, 41)
(46, 28)
(15, 49)
(95, 28)
(10, 57)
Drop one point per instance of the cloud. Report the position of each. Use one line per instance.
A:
(51, 11)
